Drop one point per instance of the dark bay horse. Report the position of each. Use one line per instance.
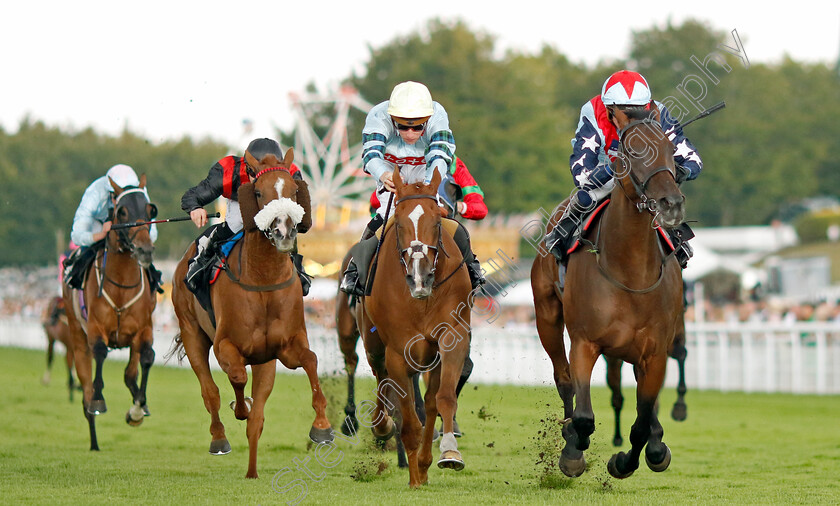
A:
(418, 306)
(118, 302)
(258, 304)
(54, 321)
(622, 296)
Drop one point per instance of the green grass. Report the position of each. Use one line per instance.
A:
(734, 448)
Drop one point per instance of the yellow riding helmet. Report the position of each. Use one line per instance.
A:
(410, 103)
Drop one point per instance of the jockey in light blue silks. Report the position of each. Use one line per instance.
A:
(92, 222)
(409, 130)
(595, 146)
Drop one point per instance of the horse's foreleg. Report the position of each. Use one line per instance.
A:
(549, 320)
(452, 363)
(197, 349)
(679, 352)
(321, 431)
(71, 383)
(82, 359)
(347, 343)
(263, 383)
(576, 431)
(411, 428)
(614, 383)
(233, 364)
(425, 457)
(45, 379)
(134, 416)
(147, 358)
(97, 404)
(649, 382)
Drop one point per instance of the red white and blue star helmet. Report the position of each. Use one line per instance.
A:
(625, 87)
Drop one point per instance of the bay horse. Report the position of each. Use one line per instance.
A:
(418, 325)
(258, 306)
(622, 296)
(118, 303)
(54, 321)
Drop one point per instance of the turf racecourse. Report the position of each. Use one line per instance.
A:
(734, 448)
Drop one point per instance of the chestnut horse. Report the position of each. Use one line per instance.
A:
(421, 324)
(258, 305)
(54, 321)
(118, 302)
(622, 297)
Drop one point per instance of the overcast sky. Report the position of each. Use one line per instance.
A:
(169, 68)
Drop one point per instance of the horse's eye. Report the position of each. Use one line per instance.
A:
(258, 194)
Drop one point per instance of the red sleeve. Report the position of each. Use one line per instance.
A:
(476, 208)
(374, 201)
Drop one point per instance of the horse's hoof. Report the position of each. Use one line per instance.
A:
(97, 407)
(612, 467)
(319, 436)
(572, 467)
(451, 459)
(349, 426)
(220, 447)
(146, 410)
(390, 431)
(248, 402)
(679, 412)
(661, 466)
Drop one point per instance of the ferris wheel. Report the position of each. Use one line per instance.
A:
(331, 165)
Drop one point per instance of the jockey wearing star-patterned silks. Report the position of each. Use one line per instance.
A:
(595, 146)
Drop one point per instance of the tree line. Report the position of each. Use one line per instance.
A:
(513, 117)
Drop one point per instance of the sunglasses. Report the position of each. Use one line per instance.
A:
(416, 128)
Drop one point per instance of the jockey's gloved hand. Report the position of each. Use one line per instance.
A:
(682, 174)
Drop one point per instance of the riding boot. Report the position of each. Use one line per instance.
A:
(561, 238)
(372, 226)
(350, 282)
(155, 279)
(208, 247)
(679, 238)
(462, 239)
(305, 279)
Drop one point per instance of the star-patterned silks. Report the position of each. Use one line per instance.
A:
(685, 151)
(590, 143)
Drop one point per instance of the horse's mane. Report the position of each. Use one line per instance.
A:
(637, 112)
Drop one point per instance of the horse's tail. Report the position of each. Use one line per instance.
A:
(177, 349)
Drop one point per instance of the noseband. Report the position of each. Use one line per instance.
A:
(646, 203)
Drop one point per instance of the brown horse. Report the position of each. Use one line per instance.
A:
(118, 302)
(54, 321)
(258, 307)
(622, 296)
(421, 324)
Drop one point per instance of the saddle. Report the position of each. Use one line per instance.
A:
(210, 275)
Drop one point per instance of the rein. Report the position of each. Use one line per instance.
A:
(646, 204)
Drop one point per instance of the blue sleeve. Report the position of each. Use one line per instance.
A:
(685, 153)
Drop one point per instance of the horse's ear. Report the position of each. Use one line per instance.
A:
(305, 202)
(435, 184)
(289, 157)
(142, 180)
(398, 182)
(115, 186)
(248, 206)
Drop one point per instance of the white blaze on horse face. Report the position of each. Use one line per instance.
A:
(279, 187)
(414, 216)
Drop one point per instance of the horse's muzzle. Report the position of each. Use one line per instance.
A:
(283, 235)
(143, 254)
(670, 211)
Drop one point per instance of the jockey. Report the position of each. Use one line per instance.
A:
(411, 131)
(92, 222)
(595, 146)
(223, 180)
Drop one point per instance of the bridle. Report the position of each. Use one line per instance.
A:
(125, 238)
(645, 203)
